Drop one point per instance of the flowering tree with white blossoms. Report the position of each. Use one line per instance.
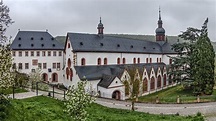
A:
(6, 77)
(77, 102)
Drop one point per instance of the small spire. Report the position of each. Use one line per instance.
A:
(159, 13)
(100, 19)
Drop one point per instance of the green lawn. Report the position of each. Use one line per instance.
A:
(16, 90)
(48, 109)
(170, 95)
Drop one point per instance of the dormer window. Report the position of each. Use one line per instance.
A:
(144, 47)
(153, 48)
(101, 44)
(118, 45)
(81, 43)
(42, 45)
(32, 38)
(32, 45)
(131, 46)
(19, 45)
(41, 38)
(52, 38)
(53, 45)
(19, 38)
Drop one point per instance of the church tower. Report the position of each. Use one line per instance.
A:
(160, 31)
(100, 28)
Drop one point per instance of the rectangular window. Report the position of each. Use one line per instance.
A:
(26, 65)
(38, 53)
(20, 53)
(44, 65)
(34, 62)
(58, 65)
(14, 66)
(33, 70)
(60, 53)
(49, 53)
(32, 53)
(54, 65)
(54, 53)
(14, 53)
(39, 65)
(26, 53)
(20, 66)
(44, 53)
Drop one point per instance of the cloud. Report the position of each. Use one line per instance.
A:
(118, 16)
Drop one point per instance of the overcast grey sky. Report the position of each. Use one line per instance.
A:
(118, 16)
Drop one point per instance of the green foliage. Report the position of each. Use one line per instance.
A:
(6, 77)
(194, 65)
(78, 101)
(4, 108)
(21, 79)
(36, 77)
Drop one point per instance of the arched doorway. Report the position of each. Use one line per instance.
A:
(152, 87)
(54, 77)
(164, 80)
(116, 95)
(45, 77)
(145, 85)
(159, 82)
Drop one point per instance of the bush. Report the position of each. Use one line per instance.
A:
(4, 108)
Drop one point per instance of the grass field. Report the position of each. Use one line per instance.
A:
(48, 109)
(170, 95)
(16, 90)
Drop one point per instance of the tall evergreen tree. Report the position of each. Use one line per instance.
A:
(194, 64)
(203, 61)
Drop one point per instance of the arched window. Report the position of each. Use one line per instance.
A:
(164, 80)
(83, 62)
(69, 63)
(160, 60)
(146, 60)
(159, 82)
(99, 61)
(105, 61)
(67, 72)
(150, 60)
(138, 60)
(170, 61)
(118, 61)
(134, 60)
(152, 87)
(68, 45)
(71, 74)
(54, 77)
(157, 60)
(145, 85)
(124, 61)
(45, 77)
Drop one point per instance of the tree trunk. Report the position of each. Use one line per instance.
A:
(132, 105)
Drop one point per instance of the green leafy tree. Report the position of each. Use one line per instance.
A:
(77, 102)
(203, 63)
(6, 77)
(35, 77)
(194, 60)
(132, 87)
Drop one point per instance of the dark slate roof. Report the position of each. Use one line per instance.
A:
(94, 43)
(35, 40)
(97, 72)
(106, 80)
(167, 48)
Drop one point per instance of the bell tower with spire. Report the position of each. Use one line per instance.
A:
(100, 28)
(160, 31)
